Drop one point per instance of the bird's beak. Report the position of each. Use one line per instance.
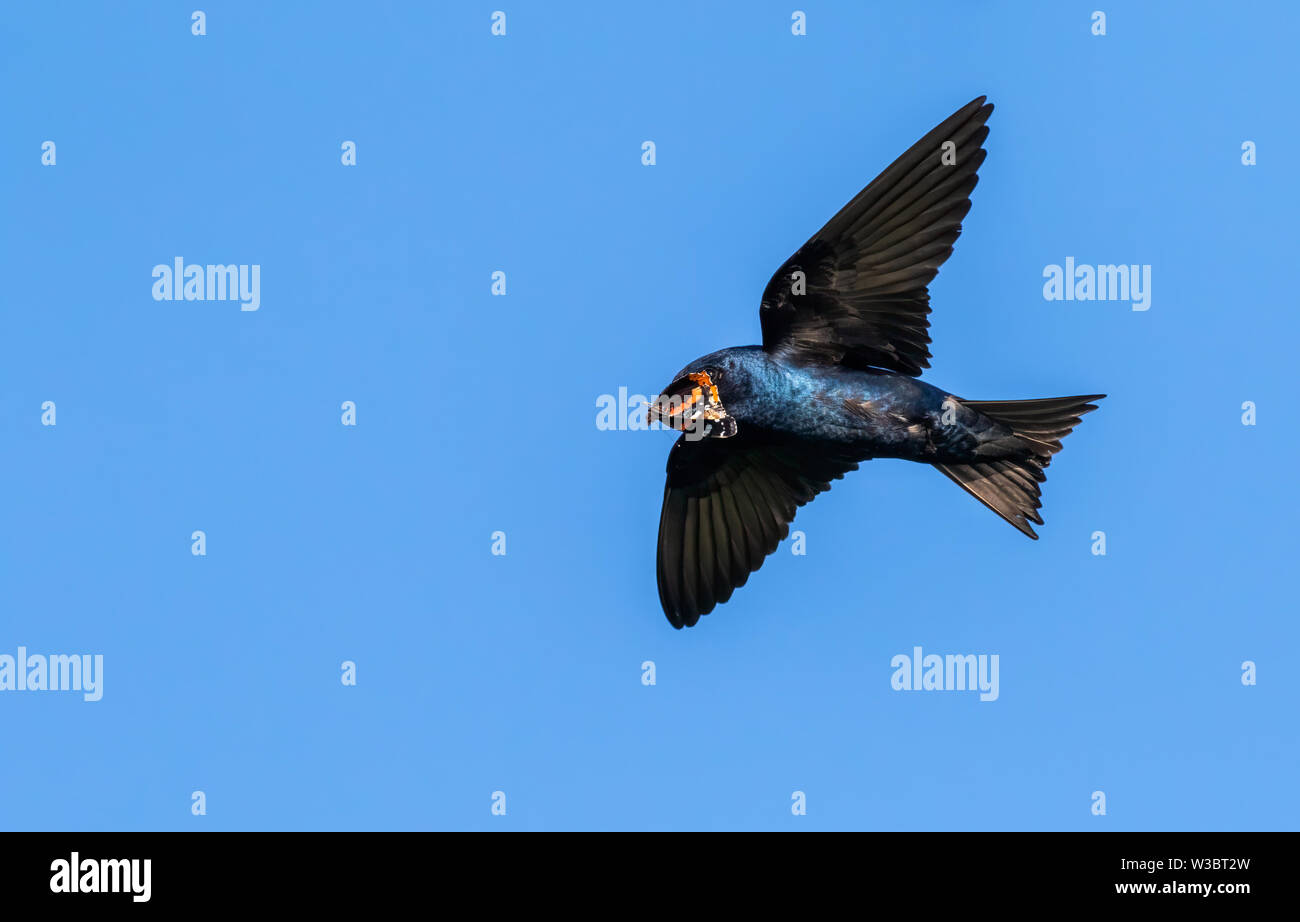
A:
(673, 410)
(652, 411)
(692, 405)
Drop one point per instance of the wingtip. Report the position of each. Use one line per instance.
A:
(978, 110)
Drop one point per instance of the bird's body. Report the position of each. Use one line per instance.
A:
(868, 413)
(845, 335)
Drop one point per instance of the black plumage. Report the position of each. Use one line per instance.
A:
(845, 324)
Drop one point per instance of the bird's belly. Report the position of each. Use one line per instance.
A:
(876, 416)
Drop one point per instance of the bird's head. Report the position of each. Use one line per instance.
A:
(695, 403)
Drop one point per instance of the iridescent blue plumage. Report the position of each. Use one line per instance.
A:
(845, 332)
(871, 413)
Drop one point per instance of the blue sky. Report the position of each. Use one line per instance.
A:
(476, 413)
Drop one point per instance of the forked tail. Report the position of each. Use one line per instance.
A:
(1009, 486)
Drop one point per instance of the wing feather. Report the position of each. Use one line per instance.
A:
(728, 503)
(865, 300)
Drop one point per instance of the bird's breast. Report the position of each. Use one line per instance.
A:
(881, 415)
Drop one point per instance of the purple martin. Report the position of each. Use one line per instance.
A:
(835, 382)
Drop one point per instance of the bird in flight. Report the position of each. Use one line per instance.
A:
(845, 335)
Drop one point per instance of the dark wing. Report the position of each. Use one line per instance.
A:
(727, 504)
(866, 272)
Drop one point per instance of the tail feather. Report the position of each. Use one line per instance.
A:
(1010, 485)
